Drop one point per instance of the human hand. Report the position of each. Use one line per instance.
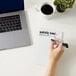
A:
(56, 51)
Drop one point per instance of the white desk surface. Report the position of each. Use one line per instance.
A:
(20, 61)
(60, 22)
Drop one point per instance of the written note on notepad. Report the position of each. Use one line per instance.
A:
(42, 45)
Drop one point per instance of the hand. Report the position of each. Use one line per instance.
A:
(56, 51)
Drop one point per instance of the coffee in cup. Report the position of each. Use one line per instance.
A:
(46, 9)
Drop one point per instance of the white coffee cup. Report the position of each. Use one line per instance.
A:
(47, 10)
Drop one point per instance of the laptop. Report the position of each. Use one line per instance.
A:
(14, 30)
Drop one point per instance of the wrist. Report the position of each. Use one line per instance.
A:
(53, 61)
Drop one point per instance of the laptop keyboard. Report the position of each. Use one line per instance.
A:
(10, 23)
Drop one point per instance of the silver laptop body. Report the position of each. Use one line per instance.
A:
(17, 38)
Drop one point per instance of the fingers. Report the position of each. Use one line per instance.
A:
(53, 42)
(61, 48)
(59, 41)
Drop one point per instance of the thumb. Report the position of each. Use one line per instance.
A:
(52, 44)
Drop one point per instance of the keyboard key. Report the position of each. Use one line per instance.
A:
(10, 23)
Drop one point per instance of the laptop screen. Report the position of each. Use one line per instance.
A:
(11, 5)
